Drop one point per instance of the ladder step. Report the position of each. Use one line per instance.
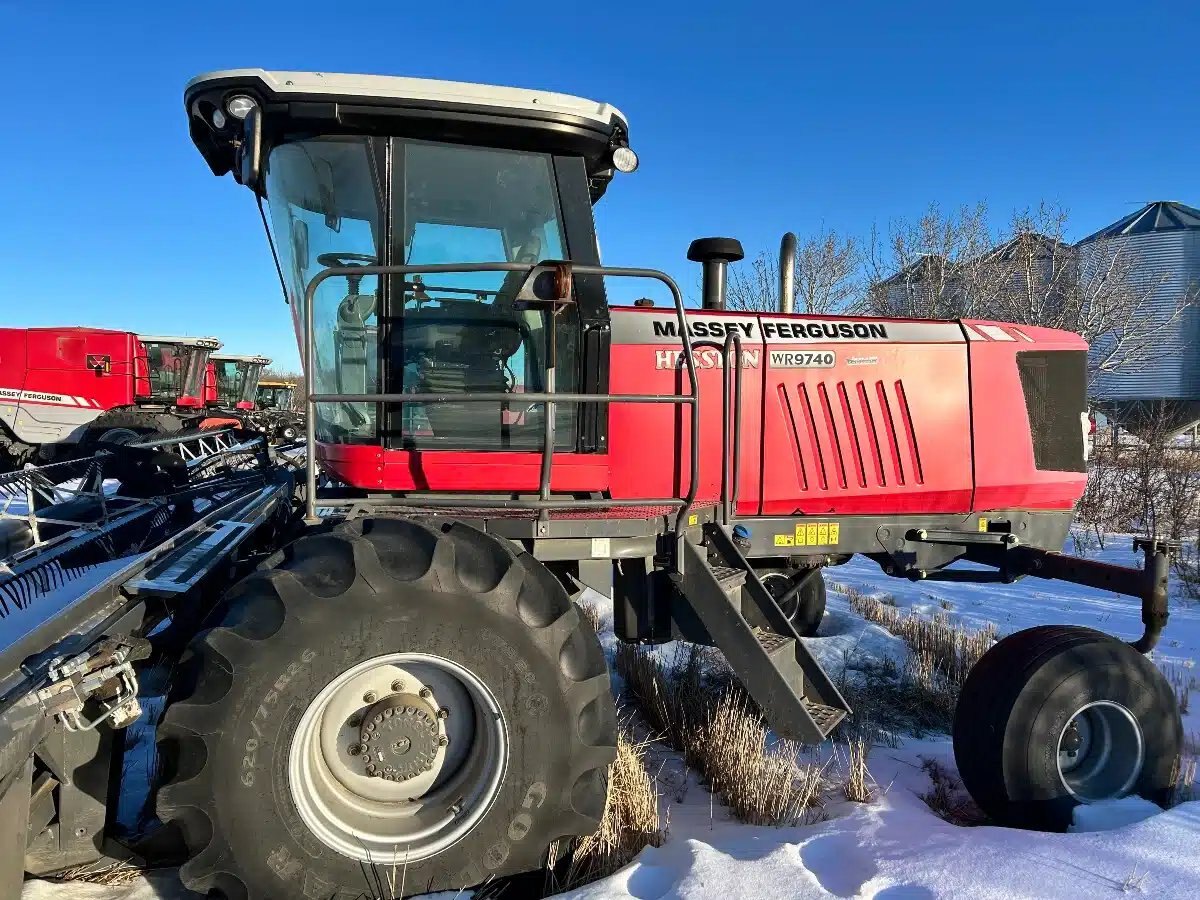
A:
(762, 647)
(778, 646)
(729, 577)
(825, 717)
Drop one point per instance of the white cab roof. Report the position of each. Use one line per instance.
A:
(240, 357)
(208, 342)
(390, 87)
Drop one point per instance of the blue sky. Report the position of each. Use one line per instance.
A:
(750, 119)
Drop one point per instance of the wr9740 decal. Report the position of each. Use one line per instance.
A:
(803, 359)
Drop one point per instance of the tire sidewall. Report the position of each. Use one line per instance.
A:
(1062, 688)
(811, 610)
(258, 816)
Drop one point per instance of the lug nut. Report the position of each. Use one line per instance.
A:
(443, 741)
(443, 713)
(397, 685)
(369, 697)
(426, 693)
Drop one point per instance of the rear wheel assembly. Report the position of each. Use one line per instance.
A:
(388, 694)
(1055, 716)
(122, 426)
(801, 596)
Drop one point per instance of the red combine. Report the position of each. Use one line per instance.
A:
(230, 389)
(410, 684)
(235, 385)
(65, 387)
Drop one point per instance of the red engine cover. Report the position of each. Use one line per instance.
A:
(839, 415)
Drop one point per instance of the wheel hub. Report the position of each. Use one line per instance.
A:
(1101, 752)
(398, 757)
(400, 738)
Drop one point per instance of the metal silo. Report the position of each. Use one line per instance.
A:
(1163, 239)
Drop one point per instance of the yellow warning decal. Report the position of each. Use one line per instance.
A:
(816, 534)
(693, 519)
(983, 524)
(785, 540)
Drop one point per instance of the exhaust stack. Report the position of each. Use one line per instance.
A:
(715, 254)
(787, 273)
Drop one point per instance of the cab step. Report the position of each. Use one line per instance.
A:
(798, 699)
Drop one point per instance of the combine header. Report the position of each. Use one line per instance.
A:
(409, 684)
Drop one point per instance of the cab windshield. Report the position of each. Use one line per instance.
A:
(237, 381)
(354, 200)
(230, 378)
(174, 370)
(274, 397)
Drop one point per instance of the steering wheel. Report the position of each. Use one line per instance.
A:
(347, 260)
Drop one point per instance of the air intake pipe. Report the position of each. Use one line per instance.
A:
(787, 273)
(715, 254)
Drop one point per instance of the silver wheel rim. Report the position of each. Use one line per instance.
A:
(1101, 752)
(438, 751)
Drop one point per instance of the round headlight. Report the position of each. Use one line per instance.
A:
(625, 160)
(218, 118)
(239, 106)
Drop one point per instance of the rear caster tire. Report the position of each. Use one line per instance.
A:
(801, 596)
(1055, 716)
(387, 693)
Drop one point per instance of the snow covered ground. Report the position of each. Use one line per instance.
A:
(895, 848)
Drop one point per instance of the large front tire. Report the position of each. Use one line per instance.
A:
(1055, 716)
(378, 593)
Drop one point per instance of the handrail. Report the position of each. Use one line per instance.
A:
(731, 454)
(548, 398)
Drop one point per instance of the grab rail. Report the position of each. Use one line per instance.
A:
(731, 453)
(544, 502)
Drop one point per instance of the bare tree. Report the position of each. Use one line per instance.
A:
(951, 266)
(1100, 290)
(926, 269)
(296, 378)
(754, 284)
(828, 277)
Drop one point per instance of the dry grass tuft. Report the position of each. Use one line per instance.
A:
(592, 614)
(672, 698)
(947, 650)
(1183, 780)
(115, 874)
(857, 786)
(1183, 679)
(693, 706)
(942, 654)
(947, 797)
(761, 784)
(630, 823)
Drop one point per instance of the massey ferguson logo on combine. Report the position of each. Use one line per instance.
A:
(835, 331)
(700, 328)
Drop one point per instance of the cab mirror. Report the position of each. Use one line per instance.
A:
(250, 153)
